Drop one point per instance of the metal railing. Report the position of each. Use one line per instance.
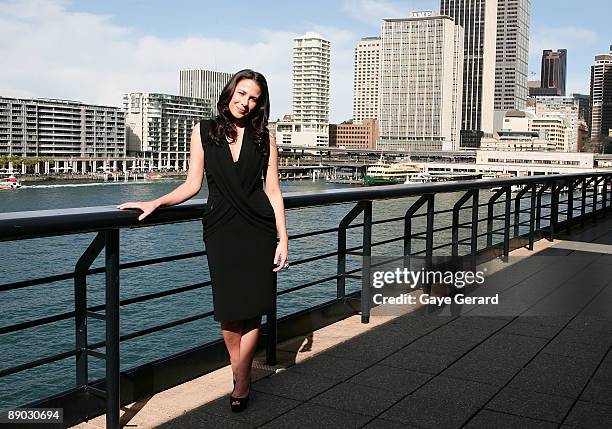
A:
(542, 207)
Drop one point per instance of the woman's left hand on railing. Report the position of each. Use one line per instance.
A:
(147, 207)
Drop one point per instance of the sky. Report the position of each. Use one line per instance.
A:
(94, 51)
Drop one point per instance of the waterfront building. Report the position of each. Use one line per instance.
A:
(366, 83)
(160, 126)
(532, 141)
(556, 128)
(40, 127)
(199, 83)
(480, 30)
(354, 135)
(566, 106)
(601, 96)
(421, 83)
(512, 55)
(311, 72)
(554, 71)
(533, 163)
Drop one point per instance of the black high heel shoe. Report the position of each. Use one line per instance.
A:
(240, 404)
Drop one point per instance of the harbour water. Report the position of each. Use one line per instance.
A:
(34, 258)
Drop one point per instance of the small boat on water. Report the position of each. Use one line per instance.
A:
(10, 182)
(153, 176)
(418, 178)
(383, 173)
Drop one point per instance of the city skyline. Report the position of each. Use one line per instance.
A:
(95, 51)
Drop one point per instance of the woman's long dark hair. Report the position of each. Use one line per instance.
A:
(223, 127)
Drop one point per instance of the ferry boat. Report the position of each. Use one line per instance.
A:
(382, 173)
(10, 182)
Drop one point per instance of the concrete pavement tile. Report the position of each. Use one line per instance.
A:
(356, 398)
(487, 419)
(452, 389)
(309, 415)
(390, 378)
(294, 385)
(531, 404)
(428, 413)
(590, 415)
(420, 361)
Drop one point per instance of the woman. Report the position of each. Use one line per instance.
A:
(244, 216)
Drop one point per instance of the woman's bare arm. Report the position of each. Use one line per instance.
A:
(190, 187)
(273, 191)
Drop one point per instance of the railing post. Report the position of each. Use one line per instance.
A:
(532, 213)
(491, 215)
(341, 266)
(570, 205)
(595, 185)
(583, 204)
(80, 307)
(474, 238)
(113, 399)
(366, 261)
(539, 205)
(518, 209)
(408, 225)
(554, 210)
(508, 213)
(455, 225)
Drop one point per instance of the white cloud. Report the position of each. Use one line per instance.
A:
(372, 12)
(49, 51)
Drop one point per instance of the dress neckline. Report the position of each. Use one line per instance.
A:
(239, 151)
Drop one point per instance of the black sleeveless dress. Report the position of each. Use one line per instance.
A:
(239, 230)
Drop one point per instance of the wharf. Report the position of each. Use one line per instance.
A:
(541, 358)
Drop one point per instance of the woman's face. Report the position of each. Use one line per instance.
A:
(245, 98)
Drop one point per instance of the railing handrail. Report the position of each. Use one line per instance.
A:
(45, 223)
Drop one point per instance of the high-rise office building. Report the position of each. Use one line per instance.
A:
(479, 21)
(512, 54)
(421, 69)
(601, 96)
(206, 84)
(365, 87)
(311, 62)
(160, 126)
(554, 71)
(60, 128)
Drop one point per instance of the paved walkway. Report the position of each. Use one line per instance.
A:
(540, 358)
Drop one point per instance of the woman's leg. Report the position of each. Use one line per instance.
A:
(232, 333)
(248, 345)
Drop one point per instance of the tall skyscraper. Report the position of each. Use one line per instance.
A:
(601, 96)
(421, 69)
(512, 54)
(554, 71)
(206, 84)
(311, 62)
(479, 21)
(367, 69)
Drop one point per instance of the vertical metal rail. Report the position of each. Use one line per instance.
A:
(570, 206)
(532, 214)
(366, 261)
(341, 266)
(474, 237)
(595, 185)
(112, 328)
(554, 210)
(455, 226)
(541, 191)
(507, 214)
(491, 215)
(408, 226)
(518, 210)
(583, 201)
(80, 307)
